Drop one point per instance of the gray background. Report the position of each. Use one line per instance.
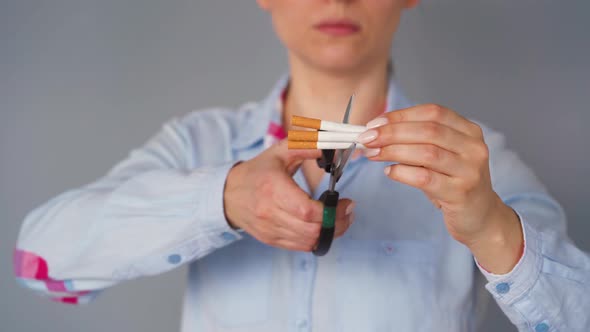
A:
(84, 81)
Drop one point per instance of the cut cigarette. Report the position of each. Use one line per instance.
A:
(321, 145)
(304, 122)
(303, 136)
(322, 136)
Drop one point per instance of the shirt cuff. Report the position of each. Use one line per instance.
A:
(508, 288)
(215, 223)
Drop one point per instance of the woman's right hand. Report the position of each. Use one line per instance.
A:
(261, 198)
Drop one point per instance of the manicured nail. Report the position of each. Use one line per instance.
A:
(349, 209)
(367, 136)
(378, 122)
(371, 152)
(387, 170)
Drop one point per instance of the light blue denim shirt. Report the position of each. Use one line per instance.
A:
(396, 269)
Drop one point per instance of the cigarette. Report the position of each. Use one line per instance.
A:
(321, 136)
(304, 122)
(321, 145)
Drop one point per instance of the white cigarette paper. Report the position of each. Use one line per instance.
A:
(297, 145)
(337, 145)
(342, 127)
(331, 136)
(301, 121)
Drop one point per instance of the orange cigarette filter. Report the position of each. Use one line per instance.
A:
(304, 122)
(301, 145)
(302, 136)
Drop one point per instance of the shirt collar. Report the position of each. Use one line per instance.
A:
(259, 120)
(253, 125)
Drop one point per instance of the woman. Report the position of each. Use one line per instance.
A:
(218, 189)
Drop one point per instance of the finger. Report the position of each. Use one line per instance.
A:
(430, 113)
(297, 202)
(419, 133)
(434, 202)
(299, 228)
(282, 191)
(292, 159)
(274, 233)
(302, 236)
(304, 243)
(435, 185)
(344, 216)
(426, 155)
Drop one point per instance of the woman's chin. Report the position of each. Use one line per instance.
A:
(337, 65)
(337, 59)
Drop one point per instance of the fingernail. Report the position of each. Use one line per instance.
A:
(371, 152)
(367, 136)
(378, 122)
(349, 209)
(387, 170)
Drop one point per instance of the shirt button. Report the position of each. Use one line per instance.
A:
(228, 236)
(301, 323)
(174, 259)
(502, 288)
(541, 327)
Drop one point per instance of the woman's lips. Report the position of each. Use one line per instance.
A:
(338, 27)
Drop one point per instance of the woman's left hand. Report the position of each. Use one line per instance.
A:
(444, 155)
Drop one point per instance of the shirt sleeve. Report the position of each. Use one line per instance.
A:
(151, 213)
(547, 289)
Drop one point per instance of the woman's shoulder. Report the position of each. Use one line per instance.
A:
(219, 127)
(219, 116)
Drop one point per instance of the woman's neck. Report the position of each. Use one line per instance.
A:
(324, 95)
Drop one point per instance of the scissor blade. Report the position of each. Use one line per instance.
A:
(347, 113)
(334, 177)
(344, 155)
(343, 160)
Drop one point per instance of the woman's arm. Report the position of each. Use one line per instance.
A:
(546, 290)
(166, 205)
(494, 205)
(154, 211)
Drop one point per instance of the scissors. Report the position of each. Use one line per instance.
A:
(333, 162)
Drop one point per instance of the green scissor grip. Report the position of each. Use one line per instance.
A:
(329, 217)
(330, 200)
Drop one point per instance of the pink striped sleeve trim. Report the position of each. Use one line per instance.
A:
(276, 131)
(27, 265)
(66, 300)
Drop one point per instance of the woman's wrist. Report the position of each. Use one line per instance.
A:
(500, 247)
(226, 202)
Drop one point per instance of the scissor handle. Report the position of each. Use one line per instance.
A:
(330, 200)
(326, 160)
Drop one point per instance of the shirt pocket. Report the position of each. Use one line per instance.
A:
(385, 285)
(235, 284)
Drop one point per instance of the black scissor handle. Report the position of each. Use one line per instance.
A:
(330, 200)
(326, 160)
